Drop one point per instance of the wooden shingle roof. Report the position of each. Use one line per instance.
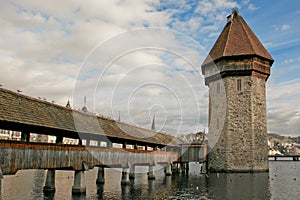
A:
(236, 39)
(19, 109)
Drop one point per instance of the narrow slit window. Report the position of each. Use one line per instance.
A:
(218, 87)
(239, 84)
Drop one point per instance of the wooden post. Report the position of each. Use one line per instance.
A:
(187, 167)
(151, 173)
(125, 176)
(168, 169)
(204, 168)
(79, 186)
(132, 172)
(204, 152)
(1, 177)
(25, 136)
(100, 177)
(109, 144)
(59, 139)
(50, 182)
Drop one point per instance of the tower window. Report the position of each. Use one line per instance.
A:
(218, 87)
(239, 84)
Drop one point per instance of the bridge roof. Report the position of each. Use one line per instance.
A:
(21, 112)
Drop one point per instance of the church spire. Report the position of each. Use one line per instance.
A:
(153, 123)
(68, 104)
(84, 109)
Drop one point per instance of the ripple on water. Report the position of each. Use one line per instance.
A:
(281, 183)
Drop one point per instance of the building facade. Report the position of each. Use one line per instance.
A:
(235, 72)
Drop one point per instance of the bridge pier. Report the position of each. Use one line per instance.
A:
(125, 176)
(50, 182)
(132, 172)
(79, 186)
(100, 177)
(151, 173)
(168, 169)
(175, 168)
(203, 168)
(181, 168)
(187, 167)
(1, 177)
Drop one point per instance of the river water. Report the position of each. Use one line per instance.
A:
(282, 182)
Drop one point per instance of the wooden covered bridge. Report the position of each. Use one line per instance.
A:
(97, 138)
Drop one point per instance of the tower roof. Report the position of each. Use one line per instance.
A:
(237, 39)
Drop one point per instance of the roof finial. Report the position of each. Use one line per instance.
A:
(68, 104)
(153, 123)
(235, 10)
(119, 118)
(84, 109)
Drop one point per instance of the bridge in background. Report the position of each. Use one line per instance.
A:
(97, 140)
(294, 157)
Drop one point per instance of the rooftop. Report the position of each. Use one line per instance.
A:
(236, 39)
(18, 110)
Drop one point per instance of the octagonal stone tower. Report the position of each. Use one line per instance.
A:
(236, 71)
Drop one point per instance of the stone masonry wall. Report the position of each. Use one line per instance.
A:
(239, 130)
(217, 123)
(260, 156)
(237, 123)
(240, 142)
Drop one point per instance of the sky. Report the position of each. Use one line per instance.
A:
(136, 59)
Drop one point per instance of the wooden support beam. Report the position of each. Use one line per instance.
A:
(100, 177)
(50, 182)
(25, 136)
(59, 139)
(79, 186)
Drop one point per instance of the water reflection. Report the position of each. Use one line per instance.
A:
(282, 184)
(49, 196)
(0, 188)
(100, 190)
(239, 186)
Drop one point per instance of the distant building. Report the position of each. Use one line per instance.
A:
(198, 137)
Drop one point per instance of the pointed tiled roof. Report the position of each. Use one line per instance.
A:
(236, 39)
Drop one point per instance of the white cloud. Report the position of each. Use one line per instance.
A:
(284, 107)
(291, 60)
(250, 6)
(285, 27)
(161, 70)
